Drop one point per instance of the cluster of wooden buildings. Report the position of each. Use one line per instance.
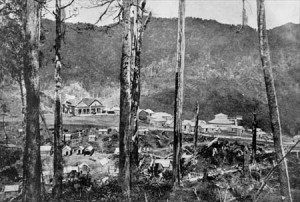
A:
(47, 150)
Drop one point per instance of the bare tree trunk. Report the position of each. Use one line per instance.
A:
(196, 126)
(254, 128)
(32, 159)
(272, 101)
(58, 129)
(135, 85)
(138, 28)
(6, 136)
(246, 167)
(125, 102)
(179, 94)
(20, 82)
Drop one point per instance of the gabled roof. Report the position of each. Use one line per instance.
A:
(209, 126)
(10, 188)
(67, 147)
(68, 169)
(221, 115)
(68, 134)
(161, 114)
(186, 122)
(83, 164)
(89, 101)
(149, 111)
(200, 123)
(45, 148)
(221, 119)
(89, 148)
(164, 162)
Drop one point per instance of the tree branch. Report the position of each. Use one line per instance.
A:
(105, 11)
(67, 5)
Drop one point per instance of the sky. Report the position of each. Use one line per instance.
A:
(278, 12)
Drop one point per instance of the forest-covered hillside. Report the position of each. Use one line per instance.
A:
(223, 71)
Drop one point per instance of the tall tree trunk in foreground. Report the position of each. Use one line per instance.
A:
(58, 159)
(139, 28)
(125, 102)
(32, 159)
(254, 128)
(272, 101)
(179, 94)
(135, 85)
(196, 126)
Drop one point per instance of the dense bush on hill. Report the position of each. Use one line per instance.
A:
(223, 70)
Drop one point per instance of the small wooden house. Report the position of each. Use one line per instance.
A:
(69, 169)
(92, 138)
(78, 150)
(117, 151)
(11, 191)
(102, 131)
(89, 150)
(46, 150)
(67, 150)
(67, 136)
(88, 106)
(84, 168)
(143, 131)
(47, 176)
(164, 164)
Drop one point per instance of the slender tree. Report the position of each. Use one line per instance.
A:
(139, 27)
(125, 102)
(32, 159)
(58, 129)
(135, 87)
(254, 128)
(196, 126)
(179, 94)
(272, 101)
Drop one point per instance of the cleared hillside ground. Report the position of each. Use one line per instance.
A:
(93, 120)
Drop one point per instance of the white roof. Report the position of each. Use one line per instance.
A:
(67, 147)
(115, 108)
(10, 188)
(201, 122)
(161, 114)
(89, 148)
(221, 119)
(104, 161)
(237, 127)
(91, 135)
(296, 137)
(149, 111)
(208, 126)
(186, 156)
(164, 162)
(157, 119)
(143, 129)
(68, 134)
(45, 148)
(117, 150)
(83, 164)
(102, 130)
(69, 169)
(81, 147)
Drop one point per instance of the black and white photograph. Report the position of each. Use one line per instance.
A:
(149, 100)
